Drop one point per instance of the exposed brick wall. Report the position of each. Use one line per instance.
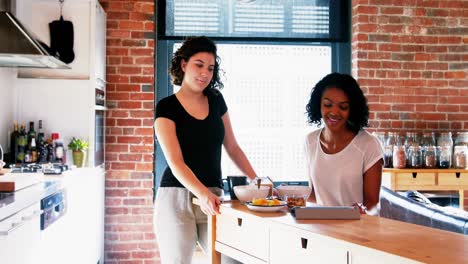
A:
(129, 236)
(411, 59)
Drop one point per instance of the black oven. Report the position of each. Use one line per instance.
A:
(99, 127)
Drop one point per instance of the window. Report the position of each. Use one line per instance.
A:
(267, 83)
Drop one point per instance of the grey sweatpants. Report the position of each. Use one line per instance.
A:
(179, 224)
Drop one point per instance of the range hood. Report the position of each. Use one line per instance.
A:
(20, 48)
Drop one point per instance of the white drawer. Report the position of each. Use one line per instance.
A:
(288, 243)
(246, 234)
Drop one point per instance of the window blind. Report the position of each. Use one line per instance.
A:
(272, 19)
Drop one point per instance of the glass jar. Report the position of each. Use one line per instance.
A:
(399, 157)
(415, 157)
(428, 139)
(388, 149)
(445, 157)
(461, 139)
(445, 147)
(459, 157)
(430, 155)
(411, 140)
(445, 140)
(380, 135)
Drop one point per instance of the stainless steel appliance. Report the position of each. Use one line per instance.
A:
(46, 168)
(53, 208)
(99, 125)
(19, 47)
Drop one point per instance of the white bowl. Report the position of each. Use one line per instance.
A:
(297, 190)
(245, 193)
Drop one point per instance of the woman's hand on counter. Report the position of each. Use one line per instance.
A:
(209, 203)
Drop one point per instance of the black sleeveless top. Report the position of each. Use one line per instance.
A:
(200, 140)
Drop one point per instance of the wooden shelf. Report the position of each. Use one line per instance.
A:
(427, 180)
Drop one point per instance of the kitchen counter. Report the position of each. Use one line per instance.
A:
(10, 204)
(83, 220)
(369, 240)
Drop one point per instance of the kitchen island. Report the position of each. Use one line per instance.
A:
(257, 237)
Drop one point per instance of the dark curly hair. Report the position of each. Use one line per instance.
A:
(359, 110)
(191, 46)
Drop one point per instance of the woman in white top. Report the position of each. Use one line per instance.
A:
(344, 160)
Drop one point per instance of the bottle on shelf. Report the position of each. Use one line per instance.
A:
(22, 143)
(33, 149)
(59, 151)
(14, 142)
(40, 133)
(31, 132)
(50, 151)
(42, 151)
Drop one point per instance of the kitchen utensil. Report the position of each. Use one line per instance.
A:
(245, 193)
(266, 208)
(293, 190)
(233, 181)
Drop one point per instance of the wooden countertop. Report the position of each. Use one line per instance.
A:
(411, 241)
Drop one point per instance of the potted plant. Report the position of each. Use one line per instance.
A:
(78, 147)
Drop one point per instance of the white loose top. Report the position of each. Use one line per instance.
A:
(337, 178)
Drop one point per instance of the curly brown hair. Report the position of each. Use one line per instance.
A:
(191, 46)
(359, 110)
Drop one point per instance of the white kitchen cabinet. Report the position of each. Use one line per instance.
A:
(20, 236)
(291, 244)
(245, 235)
(65, 99)
(85, 216)
(78, 236)
(89, 26)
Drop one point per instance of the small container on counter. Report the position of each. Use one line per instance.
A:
(445, 147)
(399, 157)
(445, 157)
(388, 149)
(415, 157)
(430, 157)
(460, 157)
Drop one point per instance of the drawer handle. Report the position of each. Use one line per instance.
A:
(457, 174)
(13, 227)
(414, 175)
(239, 221)
(304, 242)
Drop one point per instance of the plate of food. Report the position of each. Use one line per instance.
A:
(266, 205)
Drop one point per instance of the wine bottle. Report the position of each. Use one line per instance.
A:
(22, 142)
(31, 132)
(33, 149)
(40, 133)
(14, 143)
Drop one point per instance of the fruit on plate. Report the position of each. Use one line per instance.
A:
(265, 202)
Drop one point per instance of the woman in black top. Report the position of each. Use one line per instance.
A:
(191, 126)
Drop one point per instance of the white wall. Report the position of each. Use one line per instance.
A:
(7, 104)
